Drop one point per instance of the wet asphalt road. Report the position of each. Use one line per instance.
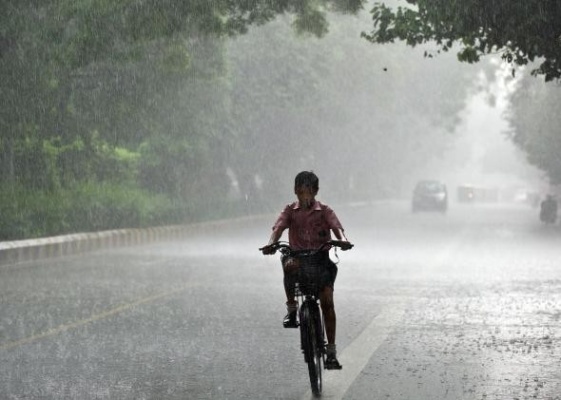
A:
(459, 306)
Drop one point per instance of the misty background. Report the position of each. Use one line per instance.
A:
(168, 127)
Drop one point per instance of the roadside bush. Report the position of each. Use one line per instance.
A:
(26, 214)
(110, 206)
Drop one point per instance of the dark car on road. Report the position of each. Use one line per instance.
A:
(430, 195)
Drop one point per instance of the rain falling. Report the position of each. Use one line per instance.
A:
(148, 150)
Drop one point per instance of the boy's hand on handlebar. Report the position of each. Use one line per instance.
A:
(345, 245)
(268, 250)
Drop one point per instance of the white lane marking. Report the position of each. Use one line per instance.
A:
(355, 356)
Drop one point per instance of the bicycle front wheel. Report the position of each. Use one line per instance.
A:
(311, 347)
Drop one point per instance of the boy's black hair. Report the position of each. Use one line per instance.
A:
(307, 178)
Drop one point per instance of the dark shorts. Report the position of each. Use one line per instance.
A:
(327, 272)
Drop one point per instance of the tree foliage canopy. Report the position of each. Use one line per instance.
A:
(534, 119)
(129, 93)
(171, 99)
(520, 30)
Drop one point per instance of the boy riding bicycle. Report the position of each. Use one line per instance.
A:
(309, 223)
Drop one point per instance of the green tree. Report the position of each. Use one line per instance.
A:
(521, 30)
(143, 95)
(73, 68)
(350, 111)
(524, 33)
(535, 121)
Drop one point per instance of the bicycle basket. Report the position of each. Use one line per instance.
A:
(311, 268)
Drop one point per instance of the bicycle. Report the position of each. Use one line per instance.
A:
(311, 324)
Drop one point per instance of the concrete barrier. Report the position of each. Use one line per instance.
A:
(17, 251)
(13, 252)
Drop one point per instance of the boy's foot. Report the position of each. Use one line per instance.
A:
(290, 320)
(332, 363)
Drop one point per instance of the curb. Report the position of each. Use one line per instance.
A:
(18, 251)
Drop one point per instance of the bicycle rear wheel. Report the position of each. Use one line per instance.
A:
(311, 347)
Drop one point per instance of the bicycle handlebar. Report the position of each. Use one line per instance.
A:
(344, 245)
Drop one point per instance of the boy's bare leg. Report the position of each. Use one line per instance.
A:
(289, 320)
(328, 309)
(289, 280)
